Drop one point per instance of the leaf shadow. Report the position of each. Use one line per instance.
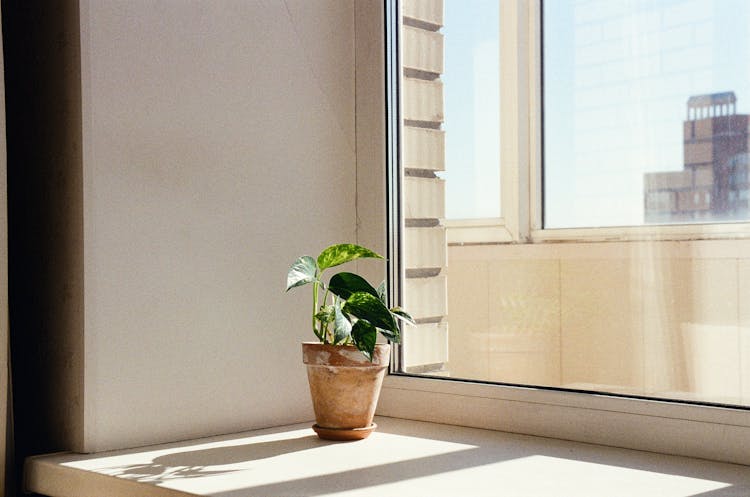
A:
(208, 462)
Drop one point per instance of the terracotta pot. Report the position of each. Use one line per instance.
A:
(344, 387)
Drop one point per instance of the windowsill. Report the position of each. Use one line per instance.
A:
(400, 458)
(714, 433)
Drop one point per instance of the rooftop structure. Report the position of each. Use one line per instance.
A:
(713, 184)
(711, 105)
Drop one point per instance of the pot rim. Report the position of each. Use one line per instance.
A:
(349, 345)
(325, 354)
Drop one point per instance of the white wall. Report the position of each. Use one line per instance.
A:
(218, 145)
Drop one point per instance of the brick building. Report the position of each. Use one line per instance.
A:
(713, 184)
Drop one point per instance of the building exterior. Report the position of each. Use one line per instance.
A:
(713, 184)
(425, 347)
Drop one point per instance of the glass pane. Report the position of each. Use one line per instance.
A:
(472, 109)
(659, 319)
(645, 112)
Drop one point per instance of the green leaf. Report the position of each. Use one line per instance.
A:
(302, 272)
(364, 335)
(326, 314)
(345, 284)
(365, 306)
(342, 328)
(393, 336)
(382, 294)
(403, 315)
(341, 253)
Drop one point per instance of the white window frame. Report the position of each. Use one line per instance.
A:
(711, 432)
(517, 101)
(521, 155)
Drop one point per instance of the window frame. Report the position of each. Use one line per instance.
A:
(715, 432)
(680, 428)
(516, 146)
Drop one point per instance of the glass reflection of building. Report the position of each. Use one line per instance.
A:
(713, 184)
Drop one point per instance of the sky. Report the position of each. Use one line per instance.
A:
(471, 84)
(617, 77)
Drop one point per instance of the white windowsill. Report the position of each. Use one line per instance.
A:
(714, 433)
(400, 458)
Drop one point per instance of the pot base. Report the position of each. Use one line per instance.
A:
(343, 434)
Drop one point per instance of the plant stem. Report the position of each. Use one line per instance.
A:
(315, 307)
(324, 326)
(325, 297)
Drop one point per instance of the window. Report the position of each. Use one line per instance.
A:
(645, 112)
(618, 261)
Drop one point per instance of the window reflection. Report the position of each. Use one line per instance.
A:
(712, 186)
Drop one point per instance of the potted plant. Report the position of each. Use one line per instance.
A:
(345, 367)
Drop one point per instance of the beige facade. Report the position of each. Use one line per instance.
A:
(425, 291)
(663, 319)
